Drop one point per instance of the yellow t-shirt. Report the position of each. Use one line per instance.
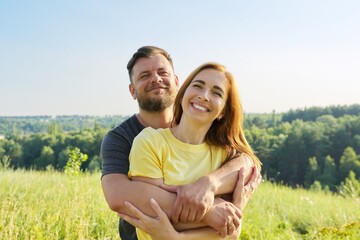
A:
(158, 154)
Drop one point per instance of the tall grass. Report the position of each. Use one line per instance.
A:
(52, 205)
(279, 212)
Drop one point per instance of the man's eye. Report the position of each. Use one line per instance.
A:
(197, 85)
(164, 73)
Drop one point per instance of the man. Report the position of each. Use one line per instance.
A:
(154, 85)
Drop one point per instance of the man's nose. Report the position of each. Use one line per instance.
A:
(156, 78)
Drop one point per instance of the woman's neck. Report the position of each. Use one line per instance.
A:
(189, 132)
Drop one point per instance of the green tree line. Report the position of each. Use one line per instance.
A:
(35, 124)
(312, 148)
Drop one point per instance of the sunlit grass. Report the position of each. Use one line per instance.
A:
(278, 212)
(52, 205)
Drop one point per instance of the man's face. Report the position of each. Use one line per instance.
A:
(154, 83)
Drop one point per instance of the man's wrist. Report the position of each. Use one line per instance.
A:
(210, 183)
(207, 219)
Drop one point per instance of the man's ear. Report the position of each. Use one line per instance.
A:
(177, 82)
(132, 91)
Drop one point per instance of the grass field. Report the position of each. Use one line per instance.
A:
(52, 205)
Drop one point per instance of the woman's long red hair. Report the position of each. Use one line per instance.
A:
(228, 131)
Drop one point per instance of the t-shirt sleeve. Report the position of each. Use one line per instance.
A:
(114, 152)
(145, 156)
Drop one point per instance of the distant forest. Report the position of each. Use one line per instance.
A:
(315, 147)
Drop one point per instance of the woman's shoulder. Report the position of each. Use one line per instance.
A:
(150, 133)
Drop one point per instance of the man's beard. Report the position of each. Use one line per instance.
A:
(156, 104)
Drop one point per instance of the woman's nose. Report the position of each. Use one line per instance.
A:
(203, 96)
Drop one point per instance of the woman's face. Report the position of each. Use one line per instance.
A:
(205, 97)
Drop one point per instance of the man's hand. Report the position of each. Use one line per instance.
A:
(224, 217)
(242, 194)
(193, 200)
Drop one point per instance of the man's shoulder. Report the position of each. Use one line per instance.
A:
(128, 128)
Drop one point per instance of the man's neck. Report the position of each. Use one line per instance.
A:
(155, 119)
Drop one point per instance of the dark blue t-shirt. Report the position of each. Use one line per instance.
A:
(115, 150)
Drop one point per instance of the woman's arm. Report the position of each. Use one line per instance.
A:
(160, 228)
(220, 215)
(197, 198)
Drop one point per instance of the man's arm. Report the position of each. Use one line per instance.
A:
(194, 200)
(118, 188)
(159, 227)
(217, 217)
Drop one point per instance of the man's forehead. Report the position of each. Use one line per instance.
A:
(151, 63)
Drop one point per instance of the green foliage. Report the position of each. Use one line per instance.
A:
(347, 231)
(350, 187)
(76, 158)
(349, 162)
(5, 163)
(46, 158)
(312, 171)
(54, 125)
(63, 157)
(95, 164)
(66, 208)
(284, 142)
(328, 176)
(316, 186)
(312, 113)
(50, 205)
(279, 212)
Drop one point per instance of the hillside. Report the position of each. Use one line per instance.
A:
(64, 207)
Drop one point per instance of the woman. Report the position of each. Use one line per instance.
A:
(206, 132)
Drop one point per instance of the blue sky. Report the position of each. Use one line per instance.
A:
(69, 57)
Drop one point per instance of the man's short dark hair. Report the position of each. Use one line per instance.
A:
(146, 52)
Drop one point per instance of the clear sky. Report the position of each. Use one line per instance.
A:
(69, 57)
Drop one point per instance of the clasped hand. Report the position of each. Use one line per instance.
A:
(224, 217)
(193, 200)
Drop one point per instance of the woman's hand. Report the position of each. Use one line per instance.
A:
(158, 227)
(242, 193)
(224, 217)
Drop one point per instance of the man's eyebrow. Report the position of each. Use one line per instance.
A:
(145, 71)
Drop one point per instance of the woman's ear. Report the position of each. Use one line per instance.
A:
(221, 115)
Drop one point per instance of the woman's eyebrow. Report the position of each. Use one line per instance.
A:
(219, 88)
(199, 81)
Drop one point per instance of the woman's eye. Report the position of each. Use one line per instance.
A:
(218, 94)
